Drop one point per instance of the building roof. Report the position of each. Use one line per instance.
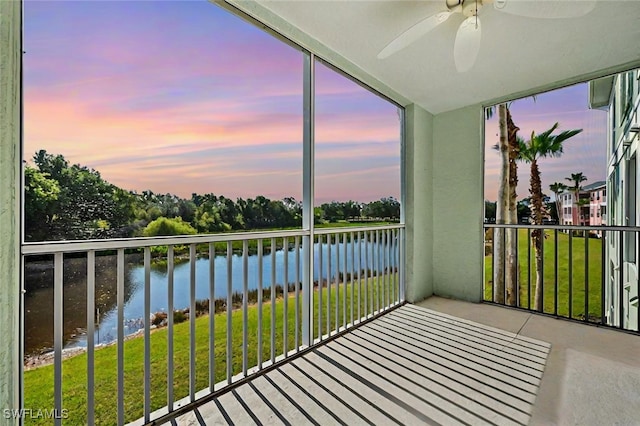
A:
(595, 185)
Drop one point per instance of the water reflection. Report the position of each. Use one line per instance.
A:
(39, 285)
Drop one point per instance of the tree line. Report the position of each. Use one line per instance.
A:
(66, 201)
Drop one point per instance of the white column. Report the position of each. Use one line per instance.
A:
(307, 198)
(457, 173)
(418, 204)
(10, 163)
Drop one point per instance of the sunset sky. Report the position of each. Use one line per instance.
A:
(184, 97)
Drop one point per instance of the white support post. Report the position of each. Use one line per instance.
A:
(307, 198)
(10, 207)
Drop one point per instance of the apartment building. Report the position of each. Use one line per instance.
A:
(620, 95)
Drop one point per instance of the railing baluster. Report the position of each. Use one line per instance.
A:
(245, 306)
(385, 268)
(351, 281)
(360, 241)
(329, 279)
(260, 296)
(170, 309)
(555, 272)
(120, 297)
(212, 316)
(401, 262)
(344, 281)
(392, 268)
(380, 268)
(91, 330)
(337, 320)
(192, 322)
(517, 277)
(505, 264)
(493, 264)
(366, 274)
(387, 253)
(58, 319)
(379, 279)
(621, 279)
(229, 359)
(528, 268)
(637, 278)
(272, 329)
(285, 297)
(542, 233)
(394, 264)
(570, 274)
(147, 333)
(586, 276)
(320, 286)
(297, 294)
(603, 261)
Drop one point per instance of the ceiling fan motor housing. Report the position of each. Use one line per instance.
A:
(467, 7)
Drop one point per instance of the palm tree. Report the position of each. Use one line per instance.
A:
(506, 207)
(558, 188)
(541, 146)
(576, 178)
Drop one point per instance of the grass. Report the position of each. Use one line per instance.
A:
(39, 383)
(566, 289)
(252, 245)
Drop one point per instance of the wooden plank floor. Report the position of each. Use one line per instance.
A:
(410, 366)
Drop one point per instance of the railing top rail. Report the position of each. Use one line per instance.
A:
(564, 227)
(129, 243)
(348, 229)
(75, 246)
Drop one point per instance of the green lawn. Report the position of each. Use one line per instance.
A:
(564, 289)
(252, 245)
(38, 383)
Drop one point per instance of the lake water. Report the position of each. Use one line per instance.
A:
(39, 283)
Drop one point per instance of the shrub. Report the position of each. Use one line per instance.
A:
(178, 317)
(164, 226)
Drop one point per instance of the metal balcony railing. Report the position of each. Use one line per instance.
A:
(250, 300)
(583, 273)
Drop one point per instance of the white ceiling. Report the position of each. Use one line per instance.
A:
(516, 55)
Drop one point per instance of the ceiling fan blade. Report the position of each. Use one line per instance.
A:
(545, 9)
(467, 44)
(413, 34)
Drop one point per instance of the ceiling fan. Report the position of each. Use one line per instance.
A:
(467, 42)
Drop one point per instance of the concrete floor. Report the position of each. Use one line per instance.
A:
(448, 362)
(411, 366)
(592, 375)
